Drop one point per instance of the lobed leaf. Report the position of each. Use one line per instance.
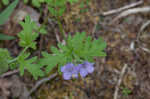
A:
(27, 35)
(4, 60)
(30, 65)
(7, 12)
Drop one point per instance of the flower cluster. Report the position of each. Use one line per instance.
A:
(70, 70)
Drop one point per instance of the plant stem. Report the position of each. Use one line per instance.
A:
(61, 28)
(15, 59)
(23, 50)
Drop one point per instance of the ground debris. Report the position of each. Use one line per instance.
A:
(12, 87)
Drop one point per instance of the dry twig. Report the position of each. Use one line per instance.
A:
(144, 25)
(57, 37)
(122, 8)
(119, 81)
(142, 29)
(9, 73)
(145, 49)
(132, 11)
(94, 28)
(41, 82)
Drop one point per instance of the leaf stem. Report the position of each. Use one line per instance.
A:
(15, 59)
(61, 28)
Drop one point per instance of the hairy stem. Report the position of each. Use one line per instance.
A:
(15, 59)
(61, 28)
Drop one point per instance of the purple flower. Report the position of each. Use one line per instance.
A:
(69, 70)
(86, 68)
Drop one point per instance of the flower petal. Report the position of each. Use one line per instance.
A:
(67, 67)
(89, 66)
(77, 68)
(63, 69)
(75, 75)
(90, 69)
(83, 72)
(67, 76)
(70, 65)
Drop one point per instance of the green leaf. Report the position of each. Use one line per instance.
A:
(78, 48)
(52, 11)
(5, 2)
(21, 61)
(30, 65)
(50, 61)
(82, 47)
(61, 11)
(58, 7)
(7, 12)
(25, 1)
(82, 4)
(34, 69)
(43, 30)
(54, 50)
(72, 1)
(4, 60)
(36, 3)
(6, 37)
(27, 35)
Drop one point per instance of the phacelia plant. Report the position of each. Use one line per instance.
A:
(73, 58)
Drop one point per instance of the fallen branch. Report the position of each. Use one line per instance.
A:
(119, 81)
(144, 25)
(57, 37)
(142, 29)
(9, 73)
(132, 11)
(41, 82)
(122, 8)
(94, 28)
(145, 49)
